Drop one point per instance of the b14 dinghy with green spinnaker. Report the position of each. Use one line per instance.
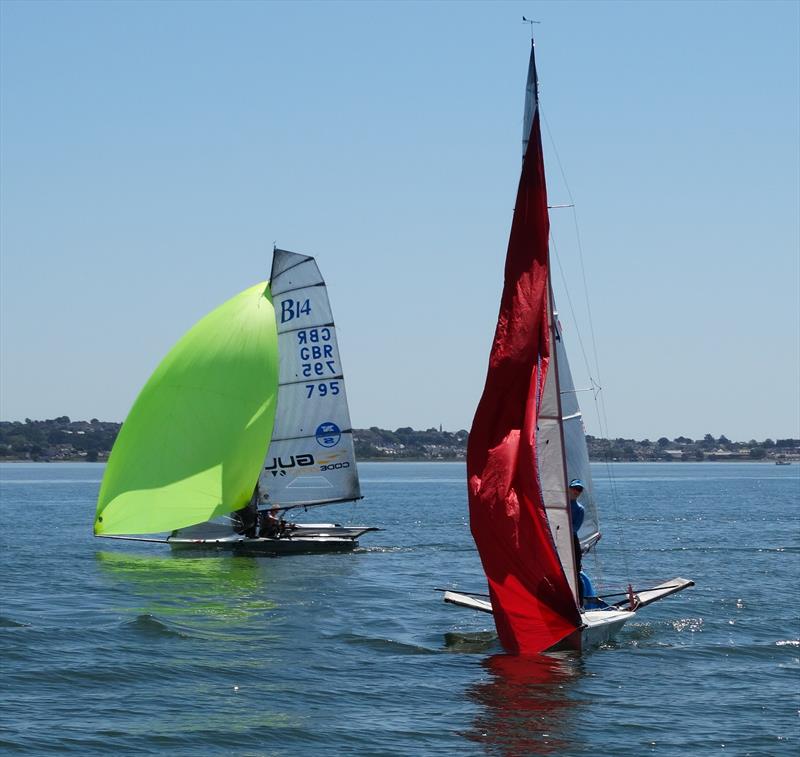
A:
(527, 460)
(245, 419)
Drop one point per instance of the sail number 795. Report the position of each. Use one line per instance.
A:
(323, 389)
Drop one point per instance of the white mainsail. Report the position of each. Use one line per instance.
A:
(551, 453)
(311, 459)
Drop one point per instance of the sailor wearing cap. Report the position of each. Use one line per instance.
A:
(576, 510)
(576, 513)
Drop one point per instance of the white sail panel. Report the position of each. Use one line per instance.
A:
(309, 354)
(552, 476)
(311, 458)
(301, 308)
(292, 271)
(551, 480)
(575, 448)
(307, 409)
(551, 463)
(548, 405)
(312, 470)
(558, 519)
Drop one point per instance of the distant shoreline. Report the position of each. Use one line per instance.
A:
(62, 439)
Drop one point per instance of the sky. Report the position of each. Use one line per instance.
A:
(151, 153)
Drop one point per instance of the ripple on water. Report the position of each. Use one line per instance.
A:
(478, 642)
(148, 625)
(11, 623)
(388, 646)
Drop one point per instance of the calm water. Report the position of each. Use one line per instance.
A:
(122, 648)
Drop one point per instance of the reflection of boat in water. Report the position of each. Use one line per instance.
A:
(254, 392)
(217, 589)
(526, 704)
(527, 455)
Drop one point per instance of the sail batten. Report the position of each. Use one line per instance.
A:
(312, 381)
(305, 436)
(300, 328)
(297, 288)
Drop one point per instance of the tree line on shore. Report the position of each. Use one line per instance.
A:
(65, 439)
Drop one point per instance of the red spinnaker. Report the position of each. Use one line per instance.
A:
(533, 605)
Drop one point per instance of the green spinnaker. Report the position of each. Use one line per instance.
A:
(194, 441)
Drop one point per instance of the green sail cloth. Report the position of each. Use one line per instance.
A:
(194, 442)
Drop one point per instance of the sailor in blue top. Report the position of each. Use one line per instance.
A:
(576, 513)
(576, 510)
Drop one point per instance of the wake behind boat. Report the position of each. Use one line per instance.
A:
(245, 420)
(531, 499)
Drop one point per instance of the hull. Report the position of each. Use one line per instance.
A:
(601, 626)
(598, 626)
(296, 538)
(286, 545)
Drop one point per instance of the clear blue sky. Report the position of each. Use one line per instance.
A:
(152, 152)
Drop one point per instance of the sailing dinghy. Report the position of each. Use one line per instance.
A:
(245, 419)
(526, 445)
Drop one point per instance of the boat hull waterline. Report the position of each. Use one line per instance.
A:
(303, 538)
(267, 545)
(597, 626)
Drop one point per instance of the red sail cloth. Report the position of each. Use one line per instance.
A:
(533, 605)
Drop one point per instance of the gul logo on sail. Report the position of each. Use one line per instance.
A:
(279, 466)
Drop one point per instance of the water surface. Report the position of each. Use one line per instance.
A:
(124, 648)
